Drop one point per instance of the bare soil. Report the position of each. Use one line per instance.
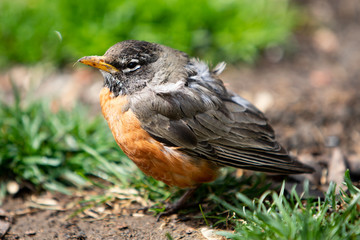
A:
(46, 223)
(311, 97)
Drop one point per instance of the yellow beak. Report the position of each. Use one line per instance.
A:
(98, 62)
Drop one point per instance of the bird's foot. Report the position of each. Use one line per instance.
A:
(172, 208)
(180, 204)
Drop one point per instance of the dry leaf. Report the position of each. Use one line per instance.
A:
(337, 167)
(4, 227)
(210, 234)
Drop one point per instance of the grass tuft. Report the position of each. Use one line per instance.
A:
(56, 150)
(274, 216)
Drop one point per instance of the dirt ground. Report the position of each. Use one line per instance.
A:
(311, 97)
(57, 224)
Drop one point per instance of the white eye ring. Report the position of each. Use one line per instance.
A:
(131, 69)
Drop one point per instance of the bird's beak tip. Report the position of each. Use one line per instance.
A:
(88, 59)
(97, 62)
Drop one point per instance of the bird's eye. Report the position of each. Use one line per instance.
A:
(131, 66)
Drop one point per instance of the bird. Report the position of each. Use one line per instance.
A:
(174, 118)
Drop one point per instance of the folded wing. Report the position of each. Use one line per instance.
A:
(205, 121)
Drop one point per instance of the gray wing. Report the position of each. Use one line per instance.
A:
(206, 121)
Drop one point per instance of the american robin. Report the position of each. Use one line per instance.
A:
(174, 118)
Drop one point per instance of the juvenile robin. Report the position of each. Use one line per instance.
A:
(174, 118)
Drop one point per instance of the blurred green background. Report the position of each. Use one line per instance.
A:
(61, 31)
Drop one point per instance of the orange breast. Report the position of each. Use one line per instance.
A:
(164, 163)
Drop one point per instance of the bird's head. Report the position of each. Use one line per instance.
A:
(131, 65)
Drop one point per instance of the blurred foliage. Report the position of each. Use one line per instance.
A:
(54, 150)
(64, 30)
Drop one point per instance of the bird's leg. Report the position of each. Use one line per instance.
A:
(173, 208)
